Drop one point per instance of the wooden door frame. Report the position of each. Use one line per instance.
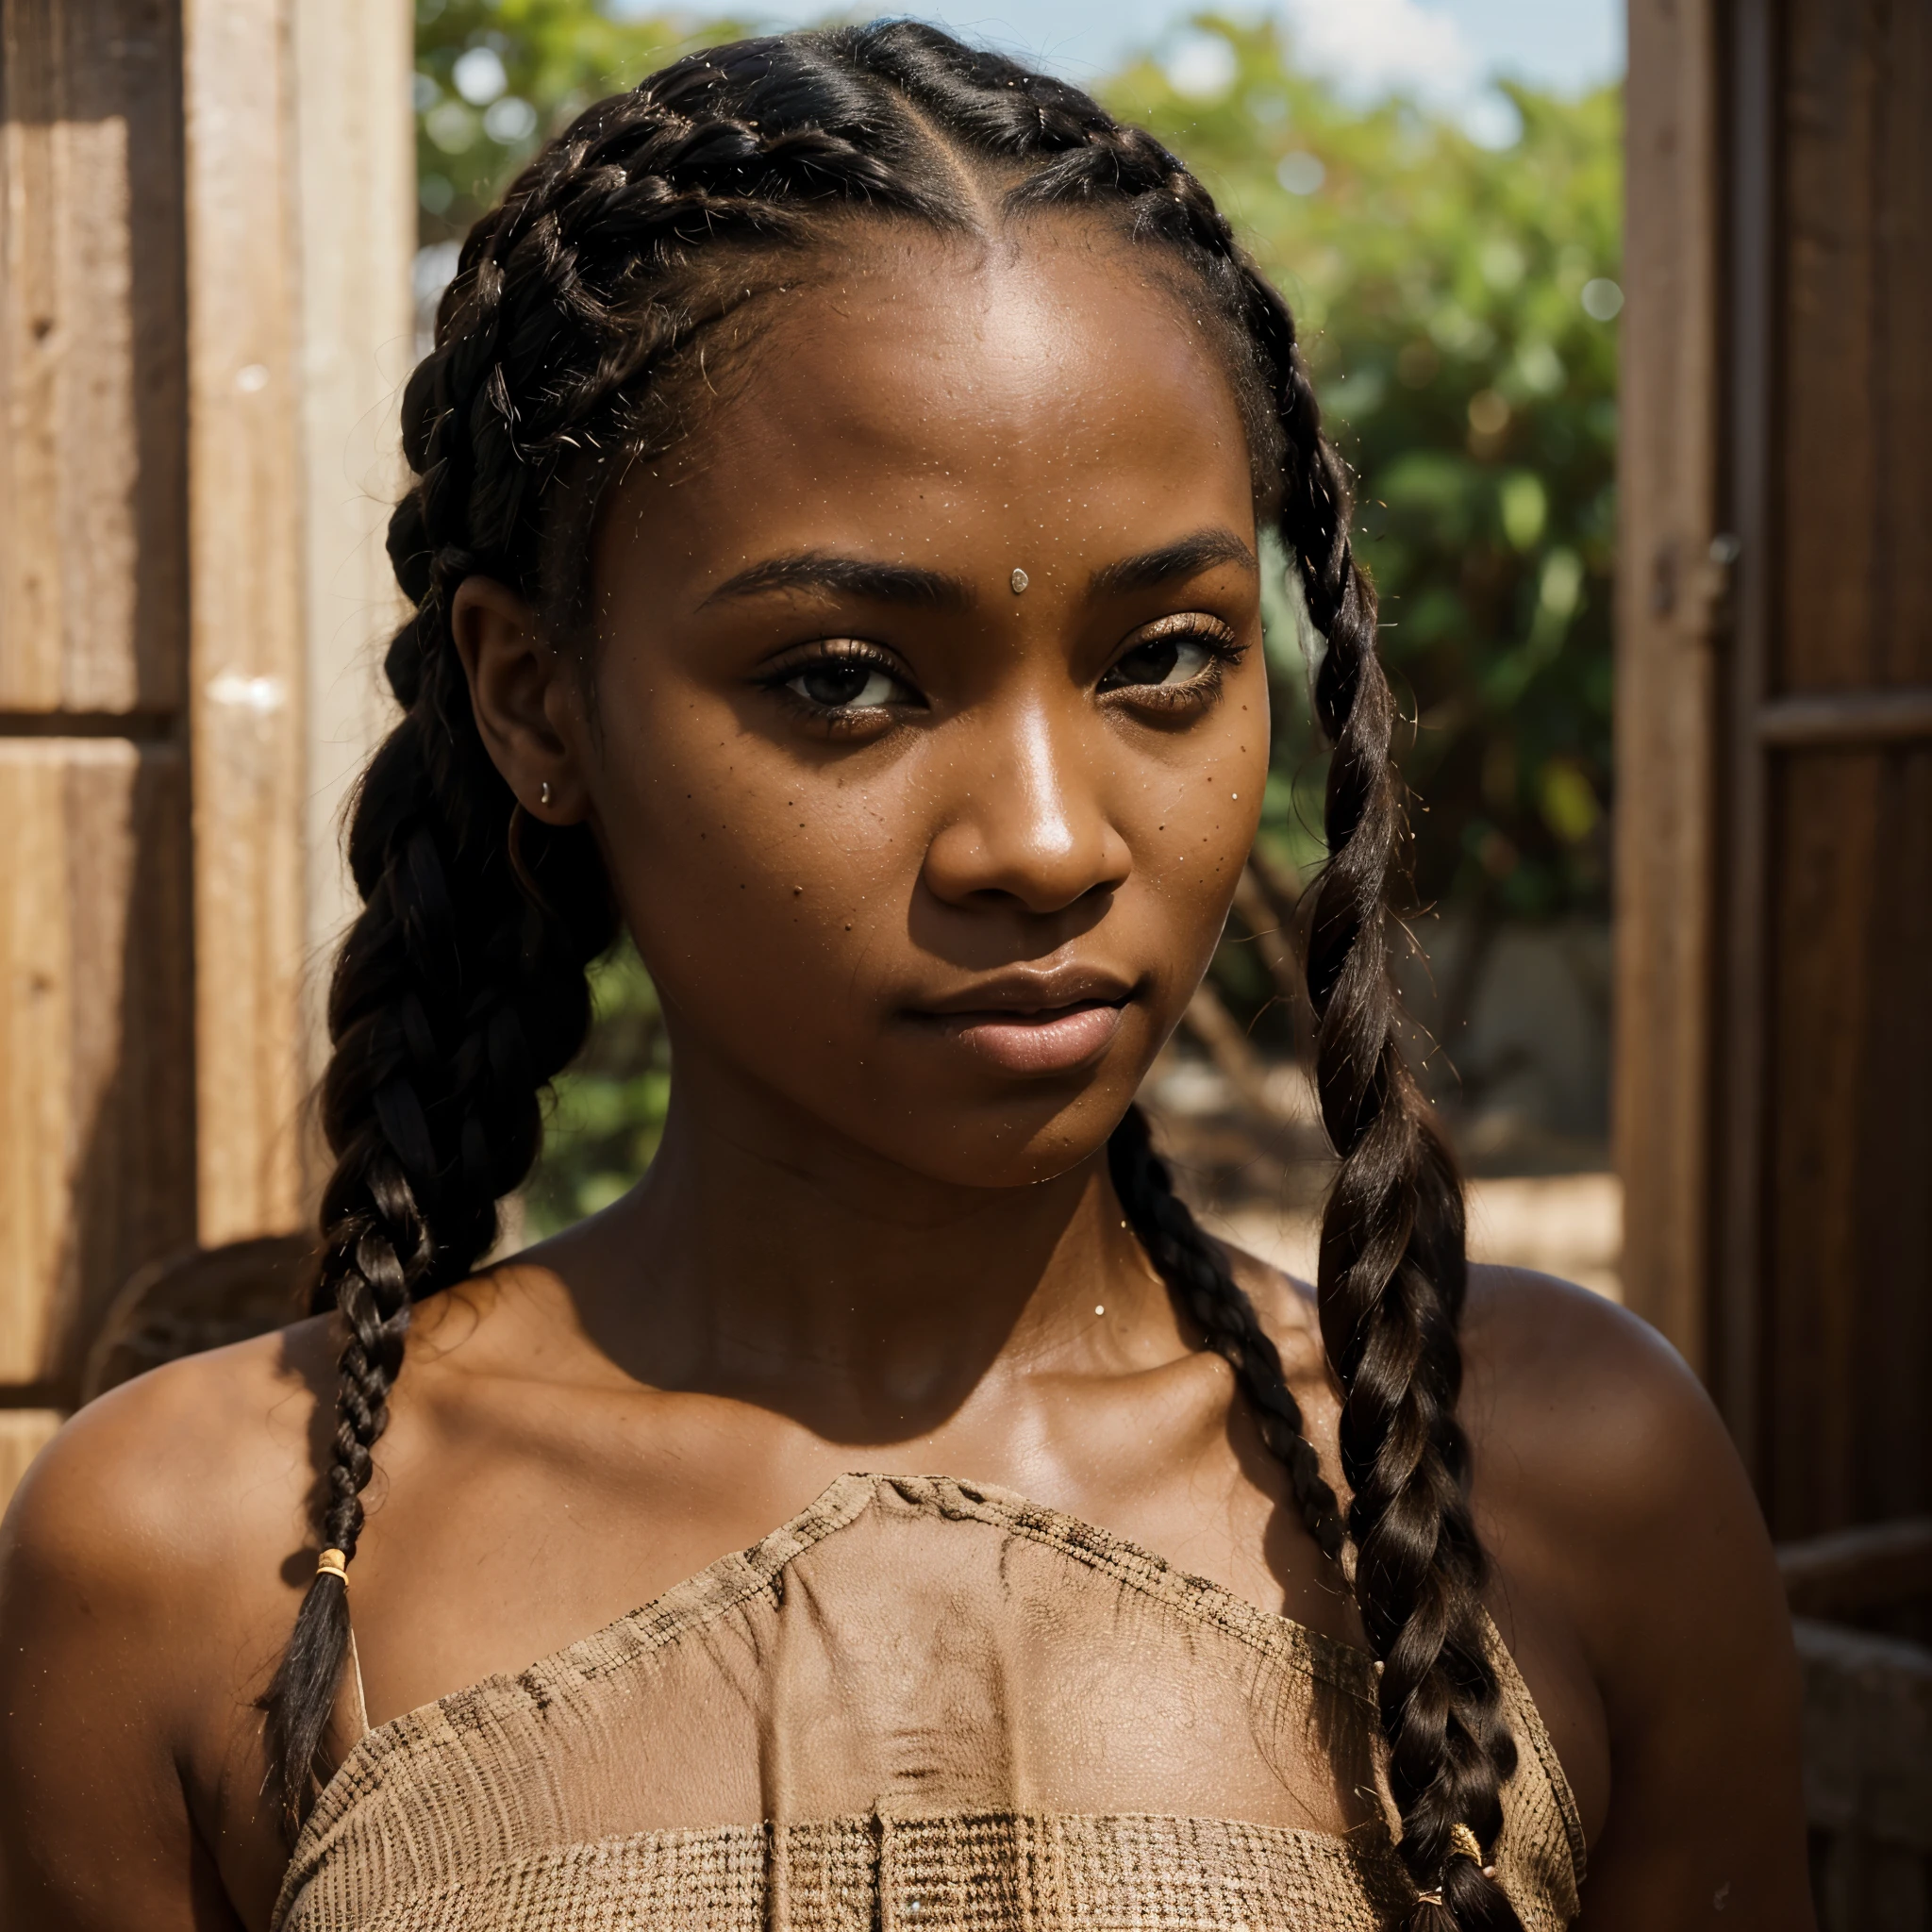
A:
(1716, 141)
(1748, 321)
(1672, 598)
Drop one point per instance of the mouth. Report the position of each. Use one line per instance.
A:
(1033, 1023)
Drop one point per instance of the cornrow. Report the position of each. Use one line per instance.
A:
(561, 347)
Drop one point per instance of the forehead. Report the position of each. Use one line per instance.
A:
(923, 393)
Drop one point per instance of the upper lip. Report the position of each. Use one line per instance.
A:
(1034, 989)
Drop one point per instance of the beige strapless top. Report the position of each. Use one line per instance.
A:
(921, 1703)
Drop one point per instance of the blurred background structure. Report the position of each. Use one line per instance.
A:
(1632, 371)
(204, 317)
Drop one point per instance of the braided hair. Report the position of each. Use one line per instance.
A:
(561, 352)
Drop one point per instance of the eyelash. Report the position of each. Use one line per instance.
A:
(1213, 638)
(854, 654)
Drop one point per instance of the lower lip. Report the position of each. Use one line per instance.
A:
(1049, 1042)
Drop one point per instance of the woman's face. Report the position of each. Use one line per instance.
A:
(931, 720)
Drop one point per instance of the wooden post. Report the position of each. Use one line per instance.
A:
(1670, 593)
(300, 196)
(248, 690)
(206, 212)
(357, 170)
(97, 1121)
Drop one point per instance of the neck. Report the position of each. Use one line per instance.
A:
(767, 1259)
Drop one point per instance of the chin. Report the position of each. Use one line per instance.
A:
(994, 1146)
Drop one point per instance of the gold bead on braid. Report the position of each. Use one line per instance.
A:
(333, 1563)
(1463, 1843)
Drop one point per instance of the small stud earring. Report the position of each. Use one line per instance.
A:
(543, 794)
(1019, 581)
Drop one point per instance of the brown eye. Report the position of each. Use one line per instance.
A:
(841, 685)
(843, 677)
(1160, 660)
(1172, 655)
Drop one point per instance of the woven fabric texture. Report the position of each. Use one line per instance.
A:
(921, 1703)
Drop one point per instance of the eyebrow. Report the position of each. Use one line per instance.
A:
(1187, 558)
(852, 576)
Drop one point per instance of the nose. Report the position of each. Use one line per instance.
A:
(1030, 824)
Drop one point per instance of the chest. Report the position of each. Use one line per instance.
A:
(919, 1701)
(486, 1547)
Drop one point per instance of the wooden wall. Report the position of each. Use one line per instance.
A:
(97, 1115)
(205, 219)
(1832, 1144)
(1775, 757)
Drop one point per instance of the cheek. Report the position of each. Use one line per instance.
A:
(754, 881)
(1193, 826)
(776, 895)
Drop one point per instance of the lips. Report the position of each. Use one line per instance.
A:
(1033, 1021)
(1056, 1041)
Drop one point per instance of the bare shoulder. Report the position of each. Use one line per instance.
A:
(1624, 1523)
(166, 1510)
(228, 1429)
(148, 1572)
(1580, 1410)
(1634, 1582)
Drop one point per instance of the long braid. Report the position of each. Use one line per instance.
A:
(461, 990)
(1392, 1272)
(1193, 1267)
(560, 346)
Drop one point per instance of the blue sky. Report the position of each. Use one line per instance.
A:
(1447, 50)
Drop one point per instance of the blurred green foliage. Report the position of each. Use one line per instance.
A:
(608, 1111)
(1457, 302)
(495, 79)
(1449, 297)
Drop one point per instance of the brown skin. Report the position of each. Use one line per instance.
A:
(866, 1245)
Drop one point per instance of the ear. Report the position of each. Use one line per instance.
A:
(527, 708)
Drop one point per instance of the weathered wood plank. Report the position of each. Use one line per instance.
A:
(1839, 1142)
(1667, 600)
(97, 1132)
(249, 680)
(1848, 1274)
(356, 164)
(1883, 716)
(1857, 460)
(137, 1099)
(92, 318)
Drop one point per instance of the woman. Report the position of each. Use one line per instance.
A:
(835, 555)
